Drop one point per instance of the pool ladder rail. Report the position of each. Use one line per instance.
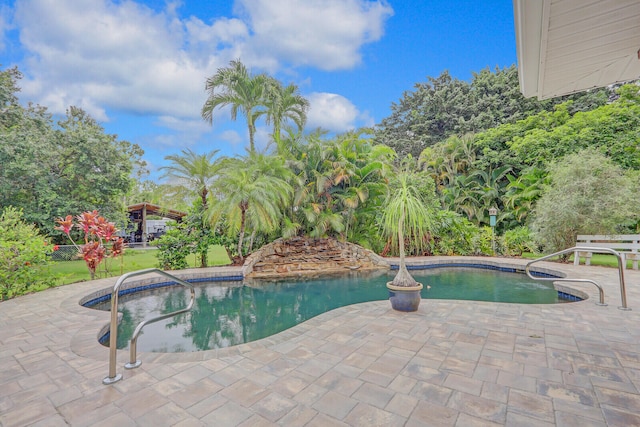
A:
(113, 327)
(623, 292)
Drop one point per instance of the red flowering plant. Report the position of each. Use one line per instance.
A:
(98, 233)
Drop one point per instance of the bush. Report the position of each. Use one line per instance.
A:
(483, 241)
(588, 194)
(516, 241)
(174, 247)
(452, 234)
(100, 241)
(23, 255)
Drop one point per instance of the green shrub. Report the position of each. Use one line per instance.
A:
(452, 234)
(516, 241)
(483, 241)
(589, 194)
(23, 255)
(174, 247)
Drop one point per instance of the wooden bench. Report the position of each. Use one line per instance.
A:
(628, 245)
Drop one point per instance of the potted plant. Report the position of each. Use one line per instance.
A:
(405, 217)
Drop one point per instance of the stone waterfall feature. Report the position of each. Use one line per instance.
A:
(300, 256)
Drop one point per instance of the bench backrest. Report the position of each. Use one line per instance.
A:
(617, 241)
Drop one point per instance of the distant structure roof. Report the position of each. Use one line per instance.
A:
(152, 209)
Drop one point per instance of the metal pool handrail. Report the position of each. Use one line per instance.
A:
(113, 327)
(623, 292)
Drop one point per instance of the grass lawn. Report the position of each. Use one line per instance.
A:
(604, 260)
(134, 259)
(137, 259)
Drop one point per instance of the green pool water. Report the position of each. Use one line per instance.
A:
(228, 313)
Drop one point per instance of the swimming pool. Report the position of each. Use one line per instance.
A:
(231, 313)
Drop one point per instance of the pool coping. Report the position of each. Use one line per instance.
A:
(465, 362)
(85, 341)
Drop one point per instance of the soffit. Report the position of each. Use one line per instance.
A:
(568, 46)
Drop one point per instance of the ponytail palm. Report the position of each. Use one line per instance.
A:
(406, 215)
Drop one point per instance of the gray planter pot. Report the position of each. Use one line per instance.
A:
(404, 298)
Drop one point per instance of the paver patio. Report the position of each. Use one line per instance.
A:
(452, 363)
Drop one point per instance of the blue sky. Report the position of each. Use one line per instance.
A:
(139, 67)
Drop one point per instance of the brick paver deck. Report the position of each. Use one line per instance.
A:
(452, 363)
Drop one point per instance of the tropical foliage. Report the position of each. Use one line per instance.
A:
(588, 194)
(24, 254)
(174, 247)
(192, 173)
(252, 193)
(340, 186)
(49, 169)
(478, 145)
(189, 237)
(445, 106)
(406, 215)
(99, 236)
(507, 167)
(254, 96)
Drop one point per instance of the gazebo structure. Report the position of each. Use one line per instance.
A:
(568, 46)
(138, 214)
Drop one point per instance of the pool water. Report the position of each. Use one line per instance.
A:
(227, 313)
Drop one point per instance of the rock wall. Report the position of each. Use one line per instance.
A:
(303, 256)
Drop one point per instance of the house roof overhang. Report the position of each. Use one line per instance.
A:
(568, 46)
(152, 209)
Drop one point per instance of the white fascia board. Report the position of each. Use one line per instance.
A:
(528, 20)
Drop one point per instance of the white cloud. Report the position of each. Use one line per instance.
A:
(327, 34)
(104, 55)
(170, 140)
(197, 126)
(232, 137)
(331, 112)
(262, 137)
(224, 31)
(113, 55)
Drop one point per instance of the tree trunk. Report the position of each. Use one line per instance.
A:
(252, 132)
(203, 196)
(229, 254)
(253, 236)
(243, 215)
(204, 258)
(387, 247)
(204, 255)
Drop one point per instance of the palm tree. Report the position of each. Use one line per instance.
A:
(524, 191)
(194, 173)
(449, 158)
(252, 190)
(341, 185)
(462, 196)
(326, 173)
(235, 86)
(361, 186)
(490, 187)
(284, 102)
